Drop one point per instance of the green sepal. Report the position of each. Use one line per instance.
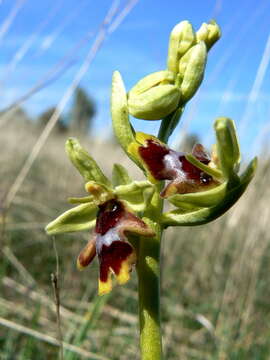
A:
(228, 151)
(205, 215)
(215, 173)
(135, 194)
(200, 199)
(119, 111)
(81, 217)
(120, 175)
(84, 163)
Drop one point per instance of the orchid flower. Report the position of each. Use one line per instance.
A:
(112, 213)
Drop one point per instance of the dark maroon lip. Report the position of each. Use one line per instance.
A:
(109, 214)
(194, 173)
(153, 154)
(112, 257)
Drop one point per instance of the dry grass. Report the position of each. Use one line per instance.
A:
(214, 283)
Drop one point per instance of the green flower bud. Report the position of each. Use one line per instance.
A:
(154, 97)
(191, 69)
(181, 39)
(228, 152)
(209, 33)
(160, 77)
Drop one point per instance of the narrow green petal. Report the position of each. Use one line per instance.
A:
(81, 200)
(120, 175)
(201, 199)
(84, 163)
(203, 216)
(81, 217)
(135, 194)
(217, 174)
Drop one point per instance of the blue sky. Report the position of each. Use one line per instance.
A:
(36, 35)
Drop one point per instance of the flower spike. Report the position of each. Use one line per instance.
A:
(200, 187)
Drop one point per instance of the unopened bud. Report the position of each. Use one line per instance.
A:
(154, 97)
(191, 69)
(181, 39)
(209, 33)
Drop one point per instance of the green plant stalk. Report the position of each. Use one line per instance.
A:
(148, 269)
(169, 123)
(148, 265)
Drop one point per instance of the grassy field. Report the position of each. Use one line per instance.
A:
(215, 278)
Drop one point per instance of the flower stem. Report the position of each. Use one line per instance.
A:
(169, 123)
(148, 269)
(148, 265)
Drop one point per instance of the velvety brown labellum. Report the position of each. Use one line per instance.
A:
(112, 258)
(153, 155)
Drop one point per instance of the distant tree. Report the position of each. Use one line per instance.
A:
(83, 111)
(45, 117)
(18, 113)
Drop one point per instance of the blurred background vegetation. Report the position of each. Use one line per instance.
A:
(215, 278)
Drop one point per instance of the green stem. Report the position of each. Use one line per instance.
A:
(148, 269)
(148, 266)
(169, 123)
